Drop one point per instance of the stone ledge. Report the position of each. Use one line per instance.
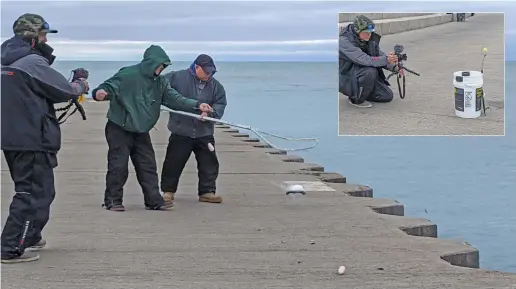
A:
(467, 257)
(292, 159)
(349, 17)
(403, 24)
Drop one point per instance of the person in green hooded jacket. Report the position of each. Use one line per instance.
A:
(136, 94)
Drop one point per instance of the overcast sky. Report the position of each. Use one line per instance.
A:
(121, 30)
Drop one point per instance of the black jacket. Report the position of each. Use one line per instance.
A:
(30, 88)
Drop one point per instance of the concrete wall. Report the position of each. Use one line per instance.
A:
(349, 17)
(391, 23)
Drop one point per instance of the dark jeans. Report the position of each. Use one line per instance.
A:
(370, 87)
(138, 146)
(33, 177)
(179, 150)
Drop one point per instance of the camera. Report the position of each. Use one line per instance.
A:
(400, 72)
(402, 57)
(77, 74)
(398, 49)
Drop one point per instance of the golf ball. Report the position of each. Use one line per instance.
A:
(484, 50)
(342, 269)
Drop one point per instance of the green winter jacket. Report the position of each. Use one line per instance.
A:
(136, 94)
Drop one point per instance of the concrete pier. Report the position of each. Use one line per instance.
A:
(428, 108)
(392, 23)
(257, 238)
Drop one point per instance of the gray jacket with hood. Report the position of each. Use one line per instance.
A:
(211, 92)
(354, 54)
(30, 88)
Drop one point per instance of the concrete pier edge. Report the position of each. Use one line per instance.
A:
(468, 257)
(393, 23)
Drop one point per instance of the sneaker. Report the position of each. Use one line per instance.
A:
(163, 207)
(210, 198)
(114, 207)
(39, 245)
(26, 257)
(365, 104)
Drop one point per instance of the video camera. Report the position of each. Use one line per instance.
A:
(398, 49)
(77, 74)
(400, 69)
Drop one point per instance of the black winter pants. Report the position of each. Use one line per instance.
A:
(370, 87)
(137, 146)
(33, 177)
(179, 150)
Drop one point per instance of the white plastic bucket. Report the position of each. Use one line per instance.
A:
(468, 92)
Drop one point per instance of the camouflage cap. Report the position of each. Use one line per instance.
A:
(31, 25)
(363, 23)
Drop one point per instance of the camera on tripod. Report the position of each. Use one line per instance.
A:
(400, 70)
(398, 49)
(77, 74)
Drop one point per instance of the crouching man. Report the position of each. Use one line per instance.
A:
(136, 94)
(361, 64)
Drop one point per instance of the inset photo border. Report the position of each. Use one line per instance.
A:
(421, 74)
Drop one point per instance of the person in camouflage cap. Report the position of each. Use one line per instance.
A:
(364, 27)
(31, 136)
(31, 25)
(361, 64)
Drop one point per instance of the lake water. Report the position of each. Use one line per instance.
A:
(467, 185)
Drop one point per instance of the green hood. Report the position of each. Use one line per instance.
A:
(153, 57)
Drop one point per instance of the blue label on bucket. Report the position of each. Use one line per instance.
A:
(459, 98)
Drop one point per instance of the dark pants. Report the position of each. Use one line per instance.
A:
(33, 177)
(370, 86)
(179, 150)
(122, 145)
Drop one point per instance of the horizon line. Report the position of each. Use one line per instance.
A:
(220, 61)
(174, 61)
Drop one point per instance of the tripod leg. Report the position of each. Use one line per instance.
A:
(483, 105)
(404, 92)
(402, 96)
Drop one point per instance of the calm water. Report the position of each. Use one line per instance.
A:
(467, 185)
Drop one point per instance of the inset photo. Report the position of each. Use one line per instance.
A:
(421, 74)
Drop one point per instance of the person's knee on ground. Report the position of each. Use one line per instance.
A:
(382, 94)
(388, 96)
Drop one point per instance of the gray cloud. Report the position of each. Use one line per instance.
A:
(181, 21)
(196, 20)
(183, 26)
